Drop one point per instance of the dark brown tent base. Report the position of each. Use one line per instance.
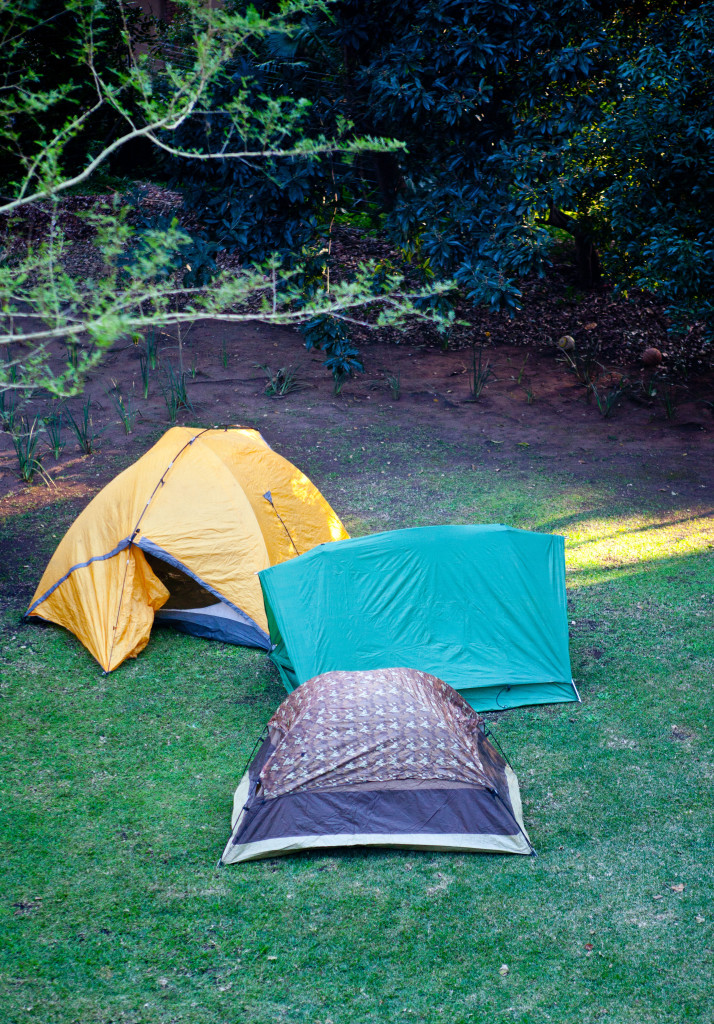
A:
(392, 757)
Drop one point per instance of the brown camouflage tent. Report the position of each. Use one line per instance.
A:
(391, 757)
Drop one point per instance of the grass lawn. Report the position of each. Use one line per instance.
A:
(116, 797)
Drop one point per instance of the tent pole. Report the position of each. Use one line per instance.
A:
(269, 498)
(163, 477)
(497, 796)
(503, 753)
(121, 600)
(263, 734)
(136, 530)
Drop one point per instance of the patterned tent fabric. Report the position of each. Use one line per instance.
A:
(391, 757)
(387, 725)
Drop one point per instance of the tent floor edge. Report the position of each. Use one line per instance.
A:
(517, 695)
(201, 622)
(436, 843)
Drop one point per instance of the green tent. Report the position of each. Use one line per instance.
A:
(481, 607)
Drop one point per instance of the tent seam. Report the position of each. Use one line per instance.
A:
(121, 546)
(126, 542)
(136, 530)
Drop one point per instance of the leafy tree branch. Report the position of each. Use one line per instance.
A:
(141, 82)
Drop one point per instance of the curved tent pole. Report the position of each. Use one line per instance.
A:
(163, 477)
(263, 735)
(497, 796)
(136, 530)
(269, 498)
(489, 734)
(122, 543)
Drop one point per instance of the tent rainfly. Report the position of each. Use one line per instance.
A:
(392, 757)
(180, 536)
(482, 607)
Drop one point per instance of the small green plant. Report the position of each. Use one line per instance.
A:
(53, 428)
(479, 375)
(151, 348)
(282, 382)
(330, 334)
(667, 394)
(145, 374)
(530, 394)
(522, 369)
(583, 364)
(343, 362)
(649, 387)
(10, 372)
(606, 401)
(392, 383)
(72, 349)
(83, 428)
(173, 388)
(224, 353)
(8, 409)
(25, 441)
(658, 388)
(124, 406)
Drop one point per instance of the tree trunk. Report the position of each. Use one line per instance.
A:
(385, 166)
(389, 178)
(587, 260)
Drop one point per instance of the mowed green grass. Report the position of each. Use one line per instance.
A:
(116, 797)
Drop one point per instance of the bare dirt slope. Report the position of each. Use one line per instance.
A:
(547, 411)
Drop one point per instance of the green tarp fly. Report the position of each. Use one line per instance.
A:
(482, 607)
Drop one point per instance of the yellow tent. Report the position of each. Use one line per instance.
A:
(180, 535)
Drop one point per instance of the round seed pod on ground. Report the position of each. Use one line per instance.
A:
(566, 343)
(651, 357)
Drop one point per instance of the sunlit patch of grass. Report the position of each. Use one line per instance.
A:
(633, 542)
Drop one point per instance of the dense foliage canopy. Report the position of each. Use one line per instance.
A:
(104, 83)
(513, 123)
(521, 121)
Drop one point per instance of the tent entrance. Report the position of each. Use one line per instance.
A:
(192, 608)
(184, 591)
